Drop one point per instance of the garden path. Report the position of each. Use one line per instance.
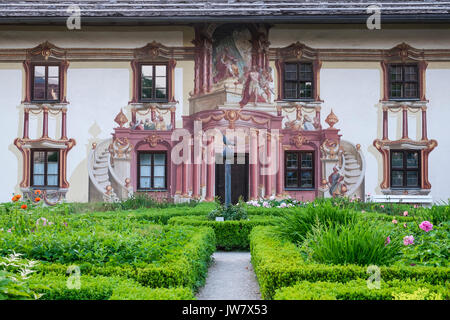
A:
(230, 277)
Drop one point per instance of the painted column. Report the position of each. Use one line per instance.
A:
(209, 70)
(203, 170)
(210, 171)
(205, 67)
(26, 123)
(133, 115)
(196, 171)
(269, 167)
(64, 124)
(153, 113)
(385, 124)
(318, 116)
(280, 171)
(172, 117)
(197, 72)
(424, 123)
(253, 164)
(45, 123)
(405, 123)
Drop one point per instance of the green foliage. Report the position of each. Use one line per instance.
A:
(358, 290)
(230, 235)
(294, 226)
(278, 263)
(232, 212)
(361, 243)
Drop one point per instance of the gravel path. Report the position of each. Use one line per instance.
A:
(230, 277)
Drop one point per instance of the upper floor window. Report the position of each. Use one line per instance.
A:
(45, 83)
(152, 170)
(298, 81)
(405, 169)
(299, 169)
(44, 168)
(403, 81)
(153, 83)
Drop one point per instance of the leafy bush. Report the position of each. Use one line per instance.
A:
(361, 243)
(358, 290)
(232, 212)
(294, 226)
(230, 235)
(278, 263)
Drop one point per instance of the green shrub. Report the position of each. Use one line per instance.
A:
(358, 290)
(230, 235)
(232, 212)
(131, 292)
(278, 263)
(361, 243)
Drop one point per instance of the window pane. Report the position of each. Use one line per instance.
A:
(410, 73)
(146, 93)
(159, 183)
(412, 160)
(39, 88)
(291, 160)
(305, 71)
(52, 180)
(397, 178)
(38, 180)
(144, 183)
(160, 71)
(147, 71)
(160, 93)
(411, 90)
(160, 82)
(52, 168)
(307, 178)
(412, 178)
(160, 158)
(147, 82)
(397, 160)
(290, 71)
(53, 89)
(396, 90)
(396, 73)
(159, 171)
(305, 90)
(146, 171)
(307, 160)
(290, 90)
(292, 179)
(145, 159)
(53, 71)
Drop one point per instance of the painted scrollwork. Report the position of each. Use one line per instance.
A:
(153, 140)
(298, 140)
(329, 149)
(120, 148)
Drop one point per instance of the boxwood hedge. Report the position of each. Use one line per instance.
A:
(278, 264)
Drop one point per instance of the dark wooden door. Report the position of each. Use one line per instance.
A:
(239, 180)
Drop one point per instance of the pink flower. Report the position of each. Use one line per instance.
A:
(405, 213)
(426, 226)
(388, 240)
(407, 240)
(283, 205)
(394, 221)
(382, 206)
(416, 206)
(362, 211)
(404, 225)
(9, 230)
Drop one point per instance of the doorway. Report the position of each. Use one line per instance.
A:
(239, 179)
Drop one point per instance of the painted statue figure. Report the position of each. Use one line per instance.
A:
(160, 124)
(226, 67)
(307, 123)
(265, 81)
(337, 187)
(252, 91)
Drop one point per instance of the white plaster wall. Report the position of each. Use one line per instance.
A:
(438, 115)
(353, 94)
(11, 159)
(96, 95)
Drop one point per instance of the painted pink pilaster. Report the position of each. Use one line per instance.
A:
(196, 173)
(210, 171)
(172, 117)
(64, 124)
(184, 189)
(280, 171)
(405, 123)
(424, 123)
(26, 123)
(45, 123)
(269, 166)
(203, 170)
(385, 124)
(253, 165)
(178, 181)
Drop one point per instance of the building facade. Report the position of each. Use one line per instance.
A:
(309, 109)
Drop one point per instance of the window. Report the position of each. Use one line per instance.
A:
(152, 170)
(45, 168)
(153, 82)
(298, 81)
(405, 169)
(403, 81)
(45, 83)
(299, 169)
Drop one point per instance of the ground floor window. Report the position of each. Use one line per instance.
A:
(405, 169)
(152, 170)
(299, 169)
(45, 168)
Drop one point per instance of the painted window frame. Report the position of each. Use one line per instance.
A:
(139, 153)
(45, 185)
(405, 169)
(299, 170)
(403, 82)
(139, 82)
(32, 78)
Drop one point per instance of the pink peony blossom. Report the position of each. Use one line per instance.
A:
(405, 213)
(407, 240)
(426, 226)
(382, 206)
(394, 221)
(388, 240)
(283, 205)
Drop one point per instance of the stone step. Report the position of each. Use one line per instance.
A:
(350, 181)
(101, 165)
(353, 166)
(353, 173)
(102, 178)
